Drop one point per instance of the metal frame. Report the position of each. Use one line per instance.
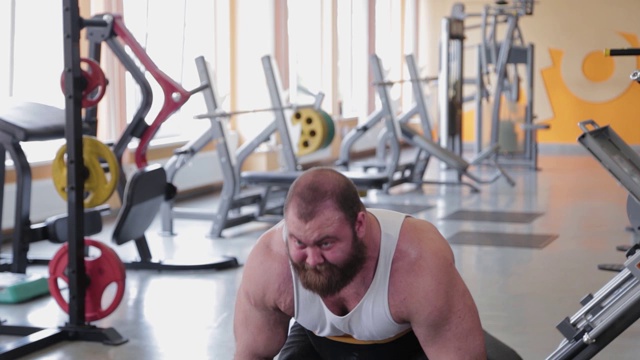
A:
(116, 35)
(424, 145)
(388, 145)
(230, 194)
(616, 306)
(603, 316)
(504, 57)
(250, 195)
(450, 83)
(33, 339)
(278, 125)
(236, 195)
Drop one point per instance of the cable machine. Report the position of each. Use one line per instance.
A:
(499, 80)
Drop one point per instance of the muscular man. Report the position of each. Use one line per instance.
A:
(360, 284)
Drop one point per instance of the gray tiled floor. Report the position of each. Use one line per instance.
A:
(522, 293)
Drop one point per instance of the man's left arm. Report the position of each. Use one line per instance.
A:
(440, 308)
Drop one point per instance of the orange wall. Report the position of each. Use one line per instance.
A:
(573, 81)
(620, 110)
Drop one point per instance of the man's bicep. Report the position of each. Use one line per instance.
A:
(259, 331)
(452, 327)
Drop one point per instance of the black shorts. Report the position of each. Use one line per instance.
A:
(303, 344)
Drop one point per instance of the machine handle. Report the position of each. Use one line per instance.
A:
(622, 52)
(583, 125)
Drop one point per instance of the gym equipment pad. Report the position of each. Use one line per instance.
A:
(16, 288)
(493, 216)
(403, 208)
(537, 241)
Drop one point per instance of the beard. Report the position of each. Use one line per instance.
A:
(328, 279)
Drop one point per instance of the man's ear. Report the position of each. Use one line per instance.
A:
(360, 225)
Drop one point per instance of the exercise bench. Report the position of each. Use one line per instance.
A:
(145, 192)
(23, 122)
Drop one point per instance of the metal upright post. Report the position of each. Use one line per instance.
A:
(73, 134)
(32, 339)
(450, 81)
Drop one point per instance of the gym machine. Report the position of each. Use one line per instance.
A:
(32, 339)
(498, 79)
(144, 193)
(387, 158)
(23, 122)
(501, 60)
(231, 209)
(616, 306)
(389, 137)
(633, 206)
(451, 80)
(450, 157)
(603, 316)
(250, 195)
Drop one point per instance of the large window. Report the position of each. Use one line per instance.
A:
(254, 38)
(327, 49)
(32, 60)
(353, 59)
(32, 66)
(395, 34)
(307, 66)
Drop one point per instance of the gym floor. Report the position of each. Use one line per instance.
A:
(523, 287)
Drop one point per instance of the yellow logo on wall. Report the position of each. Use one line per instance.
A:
(594, 96)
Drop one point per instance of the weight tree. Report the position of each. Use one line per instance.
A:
(33, 339)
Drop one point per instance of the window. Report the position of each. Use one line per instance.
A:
(353, 60)
(173, 46)
(38, 58)
(388, 30)
(327, 42)
(254, 30)
(307, 65)
(30, 70)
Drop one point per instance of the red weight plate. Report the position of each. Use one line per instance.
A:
(102, 271)
(96, 83)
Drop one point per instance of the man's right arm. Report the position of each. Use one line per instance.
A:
(260, 326)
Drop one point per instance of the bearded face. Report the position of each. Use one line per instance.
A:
(328, 279)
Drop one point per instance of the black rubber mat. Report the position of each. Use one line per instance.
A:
(481, 238)
(403, 208)
(493, 216)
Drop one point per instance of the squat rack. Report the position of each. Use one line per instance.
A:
(33, 339)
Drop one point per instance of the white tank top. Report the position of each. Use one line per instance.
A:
(370, 320)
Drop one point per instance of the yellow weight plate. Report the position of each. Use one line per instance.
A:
(99, 183)
(331, 129)
(313, 130)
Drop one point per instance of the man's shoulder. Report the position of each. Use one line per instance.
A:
(421, 248)
(418, 236)
(270, 250)
(271, 245)
(267, 268)
(421, 259)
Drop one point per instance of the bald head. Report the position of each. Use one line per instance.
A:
(319, 186)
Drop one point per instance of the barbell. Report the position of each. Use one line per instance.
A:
(401, 81)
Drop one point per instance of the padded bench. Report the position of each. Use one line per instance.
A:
(22, 122)
(363, 181)
(144, 193)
